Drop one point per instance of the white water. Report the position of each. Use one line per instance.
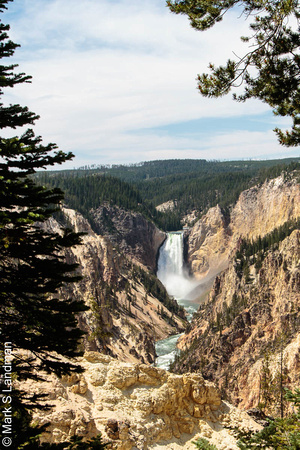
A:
(172, 273)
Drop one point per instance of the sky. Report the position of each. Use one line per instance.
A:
(114, 81)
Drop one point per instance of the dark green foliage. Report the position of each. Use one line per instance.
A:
(148, 170)
(84, 193)
(254, 252)
(283, 433)
(197, 191)
(89, 192)
(287, 169)
(32, 266)
(203, 444)
(269, 69)
(191, 184)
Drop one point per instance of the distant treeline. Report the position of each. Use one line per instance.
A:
(162, 168)
(91, 191)
(206, 188)
(199, 186)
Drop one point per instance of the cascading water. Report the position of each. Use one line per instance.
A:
(171, 272)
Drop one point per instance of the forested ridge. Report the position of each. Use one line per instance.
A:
(86, 193)
(255, 251)
(189, 184)
(147, 170)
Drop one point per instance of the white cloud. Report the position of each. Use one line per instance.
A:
(234, 145)
(103, 70)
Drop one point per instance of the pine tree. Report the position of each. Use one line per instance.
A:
(32, 265)
(33, 317)
(269, 69)
(281, 433)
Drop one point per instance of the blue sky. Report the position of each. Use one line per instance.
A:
(114, 82)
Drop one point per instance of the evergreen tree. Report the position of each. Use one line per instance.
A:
(32, 265)
(281, 433)
(32, 270)
(203, 444)
(270, 67)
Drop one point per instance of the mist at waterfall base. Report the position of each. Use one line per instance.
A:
(172, 273)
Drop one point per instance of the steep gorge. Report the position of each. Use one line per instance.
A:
(125, 320)
(250, 316)
(129, 308)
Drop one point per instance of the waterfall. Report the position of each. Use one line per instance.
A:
(172, 273)
(170, 268)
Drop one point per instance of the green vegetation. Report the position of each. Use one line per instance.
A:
(190, 184)
(203, 444)
(88, 192)
(254, 252)
(148, 170)
(280, 434)
(85, 193)
(215, 183)
(33, 317)
(32, 268)
(269, 69)
(196, 191)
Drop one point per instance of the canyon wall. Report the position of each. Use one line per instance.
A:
(134, 235)
(249, 323)
(258, 211)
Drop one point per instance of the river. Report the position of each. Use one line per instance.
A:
(172, 273)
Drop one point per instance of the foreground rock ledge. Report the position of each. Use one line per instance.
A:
(136, 406)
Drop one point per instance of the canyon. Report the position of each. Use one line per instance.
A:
(247, 317)
(121, 393)
(125, 318)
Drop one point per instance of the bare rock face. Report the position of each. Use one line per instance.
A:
(249, 322)
(136, 406)
(257, 212)
(134, 235)
(209, 244)
(167, 206)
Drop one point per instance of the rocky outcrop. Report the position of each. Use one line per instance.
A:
(257, 212)
(167, 206)
(131, 232)
(209, 245)
(250, 320)
(135, 406)
(124, 319)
